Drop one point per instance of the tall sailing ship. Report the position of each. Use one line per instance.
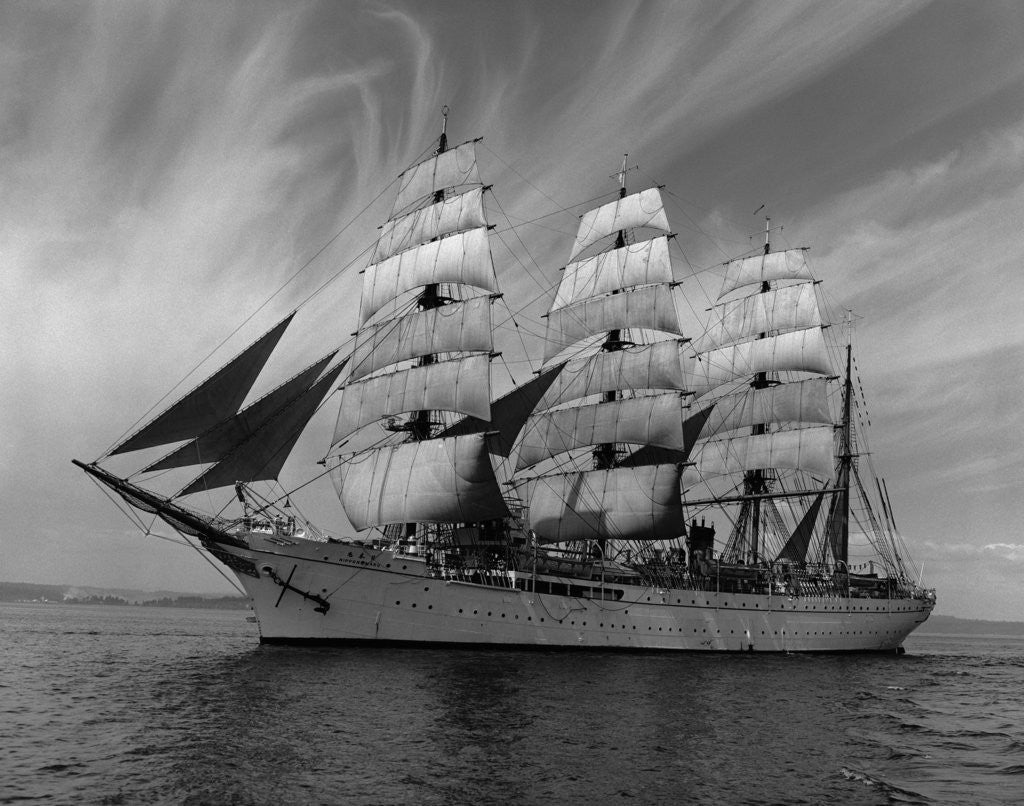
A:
(650, 488)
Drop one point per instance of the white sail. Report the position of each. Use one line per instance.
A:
(652, 307)
(628, 503)
(446, 480)
(796, 402)
(653, 366)
(644, 263)
(809, 449)
(448, 169)
(460, 258)
(459, 327)
(462, 385)
(776, 311)
(654, 420)
(643, 209)
(800, 350)
(788, 265)
(461, 212)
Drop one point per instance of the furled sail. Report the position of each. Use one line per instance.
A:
(217, 442)
(643, 209)
(263, 454)
(459, 327)
(796, 402)
(460, 385)
(653, 420)
(650, 307)
(215, 399)
(778, 310)
(625, 503)
(460, 258)
(434, 481)
(800, 350)
(461, 212)
(790, 264)
(642, 263)
(651, 366)
(809, 449)
(448, 169)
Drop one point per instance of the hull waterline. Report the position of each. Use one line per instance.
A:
(376, 595)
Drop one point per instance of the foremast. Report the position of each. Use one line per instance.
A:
(423, 357)
(422, 424)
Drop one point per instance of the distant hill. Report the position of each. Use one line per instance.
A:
(79, 594)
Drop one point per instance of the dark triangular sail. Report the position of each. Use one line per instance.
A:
(261, 457)
(214, 400)
(796, 547)
(508, 413)
(218, 442)
(655, 455)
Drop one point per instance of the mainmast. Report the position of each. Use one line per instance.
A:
(605, 454)
(607, 293)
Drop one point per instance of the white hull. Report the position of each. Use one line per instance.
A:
(375, 595)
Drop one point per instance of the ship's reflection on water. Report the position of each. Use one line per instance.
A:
(153, 705)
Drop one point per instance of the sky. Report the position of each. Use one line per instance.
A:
(166, 168)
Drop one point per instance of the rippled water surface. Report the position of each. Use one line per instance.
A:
(147, 705)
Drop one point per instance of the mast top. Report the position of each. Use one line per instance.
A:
(621, 176)
(442, 143)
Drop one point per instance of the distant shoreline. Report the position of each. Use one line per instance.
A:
(952, 625)
(32, 593)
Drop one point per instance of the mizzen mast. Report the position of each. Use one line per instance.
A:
(755, 482)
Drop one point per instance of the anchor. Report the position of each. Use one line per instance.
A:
(287, 586)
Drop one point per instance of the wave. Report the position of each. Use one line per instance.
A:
(904, 795)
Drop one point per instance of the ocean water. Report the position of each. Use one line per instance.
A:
(128, 705)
